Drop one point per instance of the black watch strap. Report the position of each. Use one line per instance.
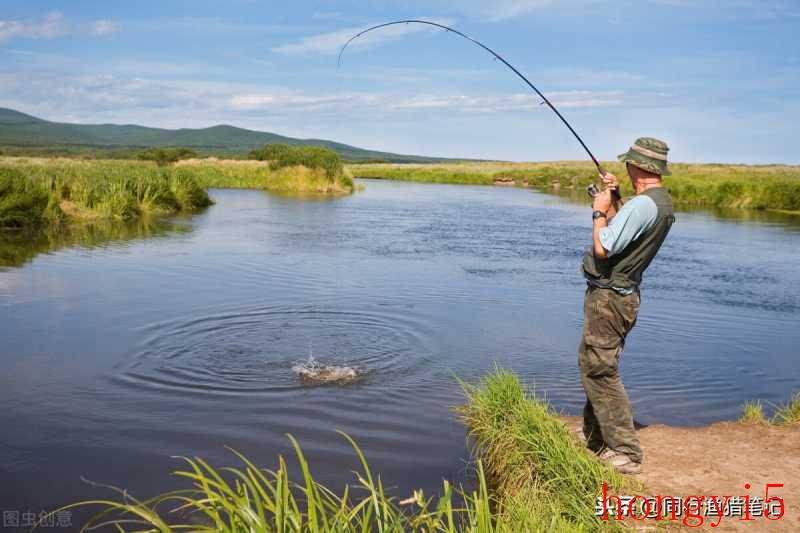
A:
(598, 214)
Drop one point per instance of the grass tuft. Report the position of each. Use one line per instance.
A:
(788, 413)
(535, 467)
(752, 412)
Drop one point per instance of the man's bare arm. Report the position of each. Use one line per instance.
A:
(603, 203)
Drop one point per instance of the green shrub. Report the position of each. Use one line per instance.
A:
(166, 156)
(282, 156)
(269, 152)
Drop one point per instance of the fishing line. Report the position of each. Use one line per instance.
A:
(545, 100)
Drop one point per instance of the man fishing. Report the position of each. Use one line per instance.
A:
(624, 243)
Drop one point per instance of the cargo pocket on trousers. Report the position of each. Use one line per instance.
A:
(600, 357)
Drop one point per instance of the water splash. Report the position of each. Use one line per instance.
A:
(312, 372)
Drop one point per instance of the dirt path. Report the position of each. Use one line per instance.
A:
(719, 460)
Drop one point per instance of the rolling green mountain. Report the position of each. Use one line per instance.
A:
(25, 133)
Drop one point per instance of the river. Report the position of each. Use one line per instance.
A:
(118, 355)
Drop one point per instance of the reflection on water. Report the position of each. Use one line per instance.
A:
(18, 247)
(786, 221)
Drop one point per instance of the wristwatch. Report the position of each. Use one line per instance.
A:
(598, 214)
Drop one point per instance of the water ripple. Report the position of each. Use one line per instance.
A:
(254, 350)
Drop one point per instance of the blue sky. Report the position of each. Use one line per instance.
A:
(719, 80)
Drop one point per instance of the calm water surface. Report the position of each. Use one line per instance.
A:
(121, 351)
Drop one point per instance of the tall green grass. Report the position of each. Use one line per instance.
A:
(298, 179)
(772, 187)
(32, 192)
(37, 190)
(532, 461)
(23, 202)
(249, 499)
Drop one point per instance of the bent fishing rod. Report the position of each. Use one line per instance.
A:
(545, 100)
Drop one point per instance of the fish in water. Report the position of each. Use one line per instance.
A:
(312, 372)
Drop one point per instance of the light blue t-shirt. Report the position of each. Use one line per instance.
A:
(636, 216)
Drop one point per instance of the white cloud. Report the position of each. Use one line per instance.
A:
(117, 98)
(53, 25)
(105, 27)
(465, 104)
(505, 9)
(497, 10)
(330, 43)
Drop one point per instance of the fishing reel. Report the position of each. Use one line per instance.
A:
(593, 190)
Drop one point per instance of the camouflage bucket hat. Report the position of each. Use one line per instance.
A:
(648, 154)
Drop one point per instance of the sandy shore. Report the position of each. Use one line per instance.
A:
(719, 460)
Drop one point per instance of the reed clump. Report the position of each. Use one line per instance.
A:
(534, 466)
(39, 191)
(22, 202)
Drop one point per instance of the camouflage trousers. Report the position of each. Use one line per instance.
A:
(608, 316)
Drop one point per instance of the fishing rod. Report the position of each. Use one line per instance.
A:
(545, 100)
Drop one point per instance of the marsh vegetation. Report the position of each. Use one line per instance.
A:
(36, 191)
(39, 191)
(773, 187)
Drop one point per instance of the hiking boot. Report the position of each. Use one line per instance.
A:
(607, 454)
(620, 462)
(629, 468)
(623, 464)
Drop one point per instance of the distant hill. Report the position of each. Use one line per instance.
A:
(25, 132)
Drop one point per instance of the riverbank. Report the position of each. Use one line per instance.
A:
(43, 191)
(764, 187)
(723, 459)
